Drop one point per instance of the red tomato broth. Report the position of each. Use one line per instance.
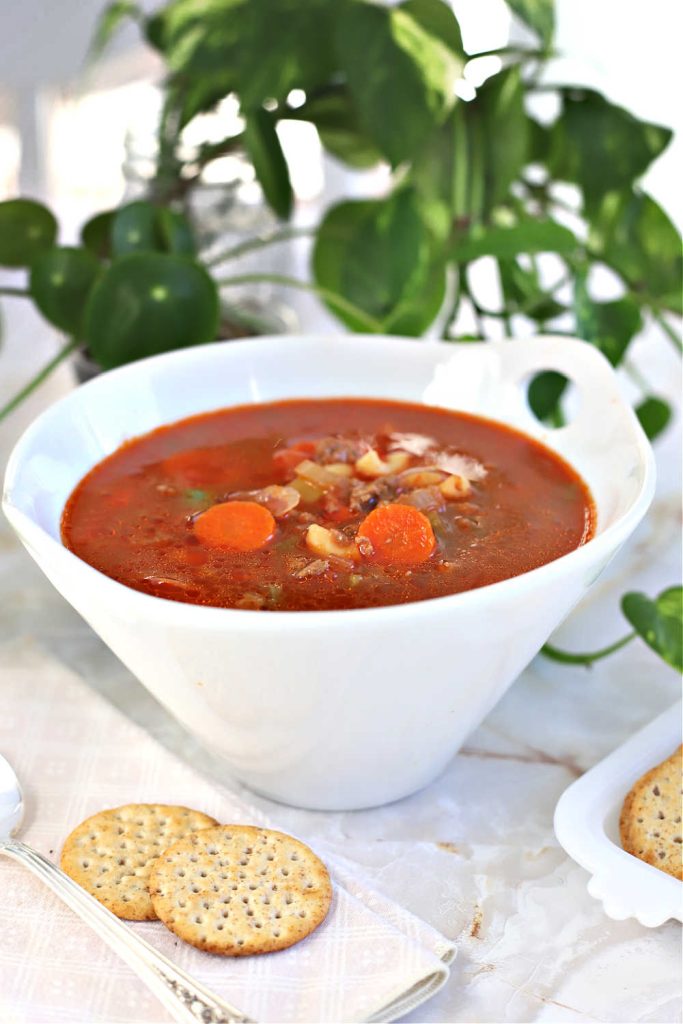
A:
(132, 516)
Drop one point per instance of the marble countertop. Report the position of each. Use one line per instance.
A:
(475, 853)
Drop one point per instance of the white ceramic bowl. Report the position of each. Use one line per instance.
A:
(337, 709)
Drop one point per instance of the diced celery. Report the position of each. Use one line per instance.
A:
(309, 492)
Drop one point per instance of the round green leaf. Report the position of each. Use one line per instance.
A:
(26, 229)
(146, 303)
(135, 228)
(175, 231)
(61, 280)
(96, 234)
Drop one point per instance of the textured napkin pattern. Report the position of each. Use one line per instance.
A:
(75, 754)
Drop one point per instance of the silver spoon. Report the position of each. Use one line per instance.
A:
(185, 999)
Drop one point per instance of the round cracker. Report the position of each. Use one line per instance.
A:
(111, 854)
(239, 890)
(650, 823)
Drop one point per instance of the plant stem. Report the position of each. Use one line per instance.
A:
(250, 244)
(671, 334)
(369, 322)
(18, 292)
(452, 314)
(509, 51)
(567, 658)
(36, 381)
(637, 378)
(479, 313)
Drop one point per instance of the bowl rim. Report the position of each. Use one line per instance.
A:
(209, 616)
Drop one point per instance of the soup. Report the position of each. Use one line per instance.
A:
(325, 504)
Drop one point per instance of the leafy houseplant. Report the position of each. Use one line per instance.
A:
(485, 178)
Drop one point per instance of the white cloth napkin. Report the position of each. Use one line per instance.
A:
(75, 754)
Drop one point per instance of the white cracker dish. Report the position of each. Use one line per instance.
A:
(587, 826)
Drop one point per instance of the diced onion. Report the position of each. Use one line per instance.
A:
(315, 474)
(427, 499)
(278, 500)
(329, 544)
(422, 477)
(455, 487)
(371, 465)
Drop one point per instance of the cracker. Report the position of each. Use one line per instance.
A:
(111, 854)
(650, 823)
(238, 890)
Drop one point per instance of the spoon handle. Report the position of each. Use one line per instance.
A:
(186, 1000)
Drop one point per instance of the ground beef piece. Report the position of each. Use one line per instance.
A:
(367, 494)
(339, 449)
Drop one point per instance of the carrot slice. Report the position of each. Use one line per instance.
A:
(235, 526)
(398, 534)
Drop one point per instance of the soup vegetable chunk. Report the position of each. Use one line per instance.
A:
(325, 504)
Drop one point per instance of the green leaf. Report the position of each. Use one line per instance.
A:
(540, 141)
(654, 415)
(175, 231)
(215, 47)
(523, 292)
(27, 228)
(610, 326)
(197, 35)
(155, 30)
(336, 119)
(544, 393)
(634, 236)
(539, 15)
(528, 236)
(437, 18)
(200, 41)
(96, 234)
(146, 303)
(504, 125)
(469, 164)
(60, 282)
(382, 257)
(401, 77)
(135, 228)
(600, 146)
(659, 622)
(109, 21)
(200, 93)
(265, 152)
(283, 46)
